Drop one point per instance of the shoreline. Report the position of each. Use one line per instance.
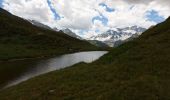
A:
(41, 57)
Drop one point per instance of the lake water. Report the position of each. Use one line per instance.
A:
(15, 72)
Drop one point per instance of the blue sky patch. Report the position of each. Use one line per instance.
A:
(56, 15)
(82, 32)
(97, 30)
(101, 18)
(1, 1)
(108, 9)
(154, 16)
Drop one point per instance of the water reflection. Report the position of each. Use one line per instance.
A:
(12, 73)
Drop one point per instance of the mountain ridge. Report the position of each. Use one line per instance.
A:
(72, 34)
(21, 39)
(118, 34)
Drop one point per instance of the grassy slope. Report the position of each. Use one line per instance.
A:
(137, 70)
(20, 39)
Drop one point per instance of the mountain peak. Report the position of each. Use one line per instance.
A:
(70, 33)
(118, 34)
(67, 30)
(39, 24)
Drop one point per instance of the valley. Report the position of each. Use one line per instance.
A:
(84, 50)
(136, 70)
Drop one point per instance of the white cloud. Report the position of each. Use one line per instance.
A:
(128, 16)
(30, 9)
(78, 14)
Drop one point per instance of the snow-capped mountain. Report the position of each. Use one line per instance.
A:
(118, 34)
(66, 31)
(70, 33)
(38, 24)
(56, 29)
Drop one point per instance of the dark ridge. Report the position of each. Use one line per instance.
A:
(19, 39)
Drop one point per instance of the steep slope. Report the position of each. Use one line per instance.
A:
(19, 38)
(137, 70)
(36, 23)
(70, 33)
(119, 42)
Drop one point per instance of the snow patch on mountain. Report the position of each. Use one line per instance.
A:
(118, 34)
(72, 34)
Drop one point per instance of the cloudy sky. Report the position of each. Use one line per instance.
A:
(89, 17)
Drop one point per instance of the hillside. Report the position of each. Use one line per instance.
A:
(98, 43)
(21, 39)
(136, 70)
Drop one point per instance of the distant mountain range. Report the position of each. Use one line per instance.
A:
(112, 36)
(66, 31)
